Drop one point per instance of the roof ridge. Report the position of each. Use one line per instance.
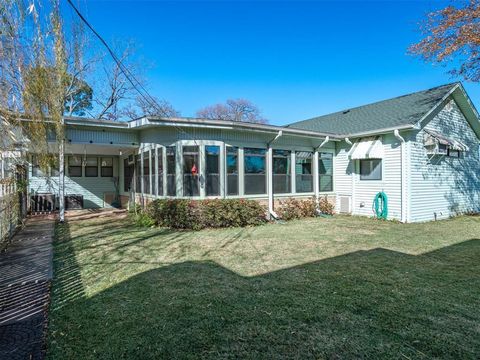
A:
(452, 84)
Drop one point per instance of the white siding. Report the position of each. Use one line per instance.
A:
(362, 192)
(444, 186)
(343, 172)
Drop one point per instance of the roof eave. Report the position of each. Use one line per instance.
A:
(224, 124)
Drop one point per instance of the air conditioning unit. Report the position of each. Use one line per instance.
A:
(345, 204)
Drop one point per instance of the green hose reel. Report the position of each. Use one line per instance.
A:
(380, 204)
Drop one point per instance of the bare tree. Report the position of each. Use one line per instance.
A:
(151, 107)
(233, 110)
(452, 37)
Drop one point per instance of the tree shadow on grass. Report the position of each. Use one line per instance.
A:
(366, 304)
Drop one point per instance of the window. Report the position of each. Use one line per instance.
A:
(281, 171)
(454, 153)
(371, 169)
(325, 172)
(146, 172)
(232, 170)
(303, 172)
(128, 172)
(171, 170)
(191, 181)
(255, 174)
(106, 167)
(74, 166)
(36, 172)
(153, 161)
(160, 171)
(91, 167)
(54, 166)
(212, 176)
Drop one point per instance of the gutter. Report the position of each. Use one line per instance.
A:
(235, 124)
(380, 131)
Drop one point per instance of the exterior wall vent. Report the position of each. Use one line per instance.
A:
(345, 205)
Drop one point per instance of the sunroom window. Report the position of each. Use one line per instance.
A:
(303, 172)
(191, 178)
(146, 172)
(171, 171)
(160, 171)
(255, 181)
(212, 175)
(232, 170)
(325, 172)
(281, 171)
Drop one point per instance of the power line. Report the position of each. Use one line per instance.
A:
(137, 85)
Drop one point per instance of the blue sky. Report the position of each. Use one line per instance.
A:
(295, 60)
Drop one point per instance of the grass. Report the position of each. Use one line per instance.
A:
(344, 287)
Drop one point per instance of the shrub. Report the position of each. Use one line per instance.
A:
(325, 206)
(292, 208)
(199, 214)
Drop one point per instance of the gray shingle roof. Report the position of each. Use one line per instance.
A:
(399, 111)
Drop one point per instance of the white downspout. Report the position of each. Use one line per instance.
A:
(396, 133)
(316, 169)
(271, 211)
(347, 140)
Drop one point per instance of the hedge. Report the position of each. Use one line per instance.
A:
(200, 214)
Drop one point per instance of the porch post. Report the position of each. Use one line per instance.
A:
(142, 183)
(61, 182)
(156, 170)
(316, 185)
(270, 180)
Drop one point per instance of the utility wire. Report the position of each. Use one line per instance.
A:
(137, 85)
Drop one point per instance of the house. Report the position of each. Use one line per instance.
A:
(421, 149)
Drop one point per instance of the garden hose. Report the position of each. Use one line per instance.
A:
(380, 204)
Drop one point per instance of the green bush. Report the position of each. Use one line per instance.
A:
(200, 214)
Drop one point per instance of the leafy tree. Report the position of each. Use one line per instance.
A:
(233, 110)
(452, 37)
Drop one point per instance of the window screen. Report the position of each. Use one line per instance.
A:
(255, 174)
(232, 170)
(281, 171)
(325, 172)
(303, 171)
(191, 171)
(171, 170)
(212, 154)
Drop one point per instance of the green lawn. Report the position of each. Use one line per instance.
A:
(344, 287)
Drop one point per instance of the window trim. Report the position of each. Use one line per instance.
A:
(360, 170)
